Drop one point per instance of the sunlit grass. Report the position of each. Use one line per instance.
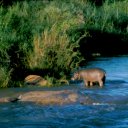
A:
(53, 50)
(4, 77)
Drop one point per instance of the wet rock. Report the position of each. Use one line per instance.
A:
(36, 80)
(10, 99)
(14, 99)
(50, 97)
(53, 97)
(3, 100)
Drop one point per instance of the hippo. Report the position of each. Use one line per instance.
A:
(90, 76)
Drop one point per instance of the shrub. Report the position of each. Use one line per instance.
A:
(53, 50)
(4, 77)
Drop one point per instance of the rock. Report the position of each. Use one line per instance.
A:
(14, 99)
(36, 80)
(10, 99)
(3, 100)
(50, 97)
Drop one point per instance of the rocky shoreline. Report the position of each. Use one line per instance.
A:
(60, 97)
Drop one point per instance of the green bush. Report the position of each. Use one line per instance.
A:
(53, 50)
(110, 17)
(4, 77)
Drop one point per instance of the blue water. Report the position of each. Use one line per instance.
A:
(105, 107)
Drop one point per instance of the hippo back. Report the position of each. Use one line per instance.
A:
(92, 74)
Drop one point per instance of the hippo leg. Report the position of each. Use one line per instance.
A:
(91, 83)
(101, 83)
(86, 83)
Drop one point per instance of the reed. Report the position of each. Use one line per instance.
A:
(5, 76)
(112, 17)
(53, 50)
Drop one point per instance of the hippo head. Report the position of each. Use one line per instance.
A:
(76, 76)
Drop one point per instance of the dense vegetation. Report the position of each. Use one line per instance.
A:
(43, 37)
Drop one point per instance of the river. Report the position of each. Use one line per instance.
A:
(108, 107)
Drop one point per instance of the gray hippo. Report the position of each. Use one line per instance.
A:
(90, 76)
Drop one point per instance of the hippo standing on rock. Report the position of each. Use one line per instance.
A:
(90, 76)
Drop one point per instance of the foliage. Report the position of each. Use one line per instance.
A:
(45, 34)
(53, 50)
(109, 17)
(4, 77)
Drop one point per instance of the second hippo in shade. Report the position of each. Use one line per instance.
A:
(91, 76)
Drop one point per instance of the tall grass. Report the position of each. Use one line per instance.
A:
(53, 50)
(45, 35)
(5, 77)
(110, 17)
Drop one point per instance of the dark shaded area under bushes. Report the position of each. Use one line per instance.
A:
(104, 44)
(11, 2)
(98, 3)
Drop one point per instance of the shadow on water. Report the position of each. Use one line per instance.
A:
(100, 43)
(104, 107)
